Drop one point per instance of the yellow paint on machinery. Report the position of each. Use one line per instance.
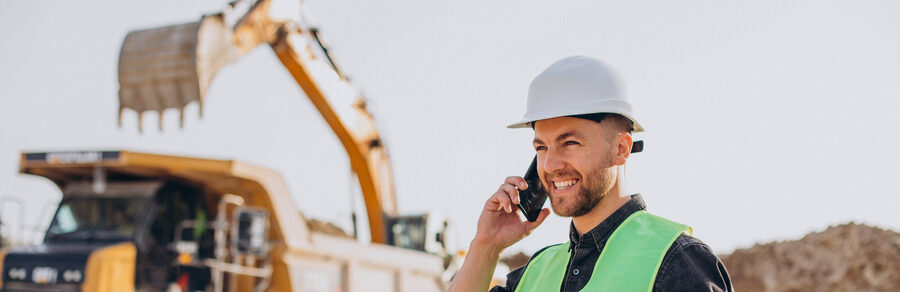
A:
(2, 258)
(111, 269)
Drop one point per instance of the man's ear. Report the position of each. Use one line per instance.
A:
(623, 149)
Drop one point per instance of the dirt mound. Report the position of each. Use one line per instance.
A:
(849, 257)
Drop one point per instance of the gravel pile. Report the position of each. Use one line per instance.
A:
(849, 257)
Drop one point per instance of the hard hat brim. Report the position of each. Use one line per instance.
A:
(527, 121)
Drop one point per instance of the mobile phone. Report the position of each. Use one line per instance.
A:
(531, 200)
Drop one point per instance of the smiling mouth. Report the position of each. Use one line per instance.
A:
(563, 185)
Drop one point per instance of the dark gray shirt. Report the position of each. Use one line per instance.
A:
(689, 264)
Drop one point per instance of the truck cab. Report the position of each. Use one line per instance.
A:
(126, 219)
(132, 213)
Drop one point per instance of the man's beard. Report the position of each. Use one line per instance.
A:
(590, 192)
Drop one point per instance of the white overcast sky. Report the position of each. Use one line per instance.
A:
(765, 120)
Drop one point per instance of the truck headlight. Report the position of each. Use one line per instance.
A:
(72, 276)
(16, 273)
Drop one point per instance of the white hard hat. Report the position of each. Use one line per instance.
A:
(575, 85)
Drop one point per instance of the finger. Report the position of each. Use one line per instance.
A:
(540, 219)
(502, 200)
(517, 181)
(511, 192)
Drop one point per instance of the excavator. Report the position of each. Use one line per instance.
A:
(132, 221)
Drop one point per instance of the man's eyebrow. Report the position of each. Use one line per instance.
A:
(558, 138)
(566, 135)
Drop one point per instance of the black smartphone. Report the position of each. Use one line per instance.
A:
(531, 200)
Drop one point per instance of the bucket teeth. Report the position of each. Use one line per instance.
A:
(140, 122)
(172, 66)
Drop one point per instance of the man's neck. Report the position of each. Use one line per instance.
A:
(608, 205)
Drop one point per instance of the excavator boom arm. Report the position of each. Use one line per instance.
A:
(366, 151)
(170, 67)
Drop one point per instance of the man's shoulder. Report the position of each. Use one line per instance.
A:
(691, 265)
(512, 278)
(668, 221)
(545, 248)
(685, 240)
(687, 246)
(541, 252)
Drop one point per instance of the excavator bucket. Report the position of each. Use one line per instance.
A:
(172, 66)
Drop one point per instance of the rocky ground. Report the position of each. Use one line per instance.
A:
(849, 257)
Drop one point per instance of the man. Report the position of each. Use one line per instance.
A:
(582, 136)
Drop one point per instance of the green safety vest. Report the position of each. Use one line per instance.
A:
(628, 262)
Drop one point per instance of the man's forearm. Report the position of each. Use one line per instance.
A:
(478, 268)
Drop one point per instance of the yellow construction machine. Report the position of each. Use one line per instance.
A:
(133, 221)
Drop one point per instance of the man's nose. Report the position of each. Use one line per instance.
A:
(552, 161)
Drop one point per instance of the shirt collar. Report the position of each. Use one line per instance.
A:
(599, 234)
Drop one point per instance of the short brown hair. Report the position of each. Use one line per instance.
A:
(620, 123)
(617, 121)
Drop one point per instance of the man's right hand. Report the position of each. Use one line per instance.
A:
(500, 225)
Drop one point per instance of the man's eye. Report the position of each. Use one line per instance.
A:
(571, 143)
(540, 148)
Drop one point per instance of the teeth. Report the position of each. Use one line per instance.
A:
(563, 184)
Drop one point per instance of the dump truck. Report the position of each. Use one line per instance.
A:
(131, 221)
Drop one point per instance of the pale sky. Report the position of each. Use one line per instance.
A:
(765, 120)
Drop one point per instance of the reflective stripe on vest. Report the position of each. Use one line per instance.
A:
(628, 262)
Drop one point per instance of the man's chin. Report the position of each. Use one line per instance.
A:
(562, 209)
(572, 209)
